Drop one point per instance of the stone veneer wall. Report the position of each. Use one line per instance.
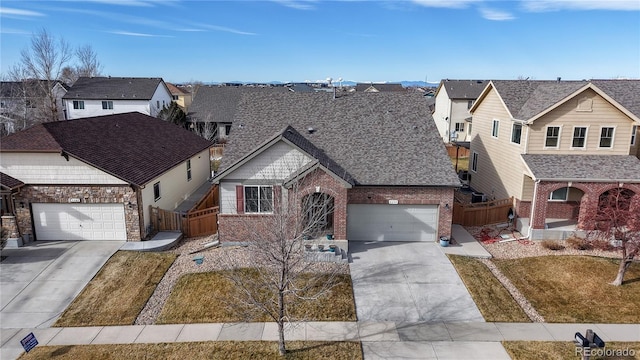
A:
(87, 195)
(409, 196)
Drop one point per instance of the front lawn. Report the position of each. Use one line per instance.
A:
(493, 300)
(208, 297)
(559, 350)
(119, 291)
(576, 288)
(227, 350)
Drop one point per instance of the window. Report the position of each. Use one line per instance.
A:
(107, 105)
(174, 97)
(78, 104)
(606, 137)
(469, 104)
(553, 137)
(516, 133)
(561, 194)
(227, 129)
(189, 170)
(30, 104)
(459, 126)
(474, 161)
(634, 131)
(156, 191)
(258, 199)
(494, 129)
(469, 128)
(579, 137)
(158, 104)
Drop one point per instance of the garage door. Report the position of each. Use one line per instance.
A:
(79, 221)
(392, 222)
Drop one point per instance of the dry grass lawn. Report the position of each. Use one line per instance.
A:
(228, 350)
(463, 163)
(208, 297)
(576, 288)
(117, 294)
(535, 350)
(493, 300)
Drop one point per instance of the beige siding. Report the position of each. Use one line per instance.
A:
(527, 188)
(500, 167)
(52, 168)
(277, 162)
(567, 117)
(174, 185)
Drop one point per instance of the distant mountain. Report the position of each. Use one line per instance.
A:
(408, 83)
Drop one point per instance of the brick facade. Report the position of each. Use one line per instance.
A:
(588, 204)
(87, 195)
(233, 227)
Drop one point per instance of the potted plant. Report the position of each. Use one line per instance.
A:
(329, 236)
(332, 248)
(444, 241)
(320, 247)
(308, 247)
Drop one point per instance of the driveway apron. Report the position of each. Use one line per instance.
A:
(39, 281)
(408, 282)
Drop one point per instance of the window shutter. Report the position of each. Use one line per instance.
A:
(240, 199)
(277, 198)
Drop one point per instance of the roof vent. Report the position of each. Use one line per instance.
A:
(311, 130)
(559, 78)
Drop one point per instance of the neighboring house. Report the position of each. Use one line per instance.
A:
(378, 159)
(454, 98)
(95, 178)
(556, 147)
(180, 96)
(26, 102)
(95, 96)
(373, 87)
(214, 107)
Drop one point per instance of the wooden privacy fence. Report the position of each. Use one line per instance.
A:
(201, 220)
(484, 213)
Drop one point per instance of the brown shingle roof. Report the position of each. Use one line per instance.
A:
(8, 182)
(131, 146)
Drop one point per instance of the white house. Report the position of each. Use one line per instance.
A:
(454, 98)
(95, 96)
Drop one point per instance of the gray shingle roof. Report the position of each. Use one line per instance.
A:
(584, 167)
(113, 88)
(219, 103)
(131, 146)
(380, 87)
(526, 99)
(378, 138)
(463, 89)
(9, 183)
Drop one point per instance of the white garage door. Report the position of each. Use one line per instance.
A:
(392, 222)
(79, 221)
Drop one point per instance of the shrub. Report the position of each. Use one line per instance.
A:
(602, 244)
(577, 243)
(552, 245)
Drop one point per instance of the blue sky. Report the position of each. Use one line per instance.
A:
(290, 40)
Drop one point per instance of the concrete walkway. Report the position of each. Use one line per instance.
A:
(381, 340)
(465, 244)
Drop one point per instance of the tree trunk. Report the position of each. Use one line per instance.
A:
(624, 265)
(281, 346)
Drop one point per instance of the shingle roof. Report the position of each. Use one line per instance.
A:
(379, 139)
(175, 90)
(584, 167)
(131, 146)
(219, 103)
(526, 99)
(113, 88)
(8, 182)
(463, 89)
(380, 87)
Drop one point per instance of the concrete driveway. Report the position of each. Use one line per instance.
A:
(39, 281)
(408, 282)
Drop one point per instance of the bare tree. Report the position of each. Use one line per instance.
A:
(44, 61)
(616, 220)
(285, 273)
(88, 64)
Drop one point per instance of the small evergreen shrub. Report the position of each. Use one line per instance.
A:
(552, 245)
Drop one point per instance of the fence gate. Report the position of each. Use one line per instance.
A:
(201, 220)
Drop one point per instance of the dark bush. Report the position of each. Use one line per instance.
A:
(552, 245)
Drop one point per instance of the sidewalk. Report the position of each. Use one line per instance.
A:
(465, 244)
(444, 340)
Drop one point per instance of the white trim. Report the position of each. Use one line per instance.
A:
(613, 137)
(586, 136)
(244, 198)
(495, 128)
(474, 164)
(566, 197)
(559, 136)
